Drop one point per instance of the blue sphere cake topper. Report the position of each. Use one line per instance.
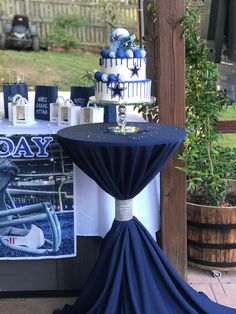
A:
(105, 53)
(121, 38)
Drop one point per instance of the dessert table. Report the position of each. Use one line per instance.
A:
(132, 275)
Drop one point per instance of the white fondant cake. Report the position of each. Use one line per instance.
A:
(122, 75)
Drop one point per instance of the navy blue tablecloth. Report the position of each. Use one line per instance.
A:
(132, 275)
(122, 165)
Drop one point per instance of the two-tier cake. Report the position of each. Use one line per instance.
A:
(122, 75)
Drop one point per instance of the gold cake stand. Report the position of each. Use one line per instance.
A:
(122, 127)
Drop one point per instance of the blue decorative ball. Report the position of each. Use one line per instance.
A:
(137, 53)
(112, 78)
(98, 76)
(120, 54)
(118, 38)
(105, 53)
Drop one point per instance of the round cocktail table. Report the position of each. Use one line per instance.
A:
(132, 274)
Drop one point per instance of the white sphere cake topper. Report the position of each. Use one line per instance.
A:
(121, 38)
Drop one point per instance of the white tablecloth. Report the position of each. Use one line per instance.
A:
(94, 208)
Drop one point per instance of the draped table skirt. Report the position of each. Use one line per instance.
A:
(132, 275)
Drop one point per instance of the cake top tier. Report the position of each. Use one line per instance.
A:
(122, 46)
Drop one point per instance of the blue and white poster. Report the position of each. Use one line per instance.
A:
(36, 198)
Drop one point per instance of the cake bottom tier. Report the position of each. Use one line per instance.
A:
(127, 91)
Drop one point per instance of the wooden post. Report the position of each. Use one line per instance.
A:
(166, 56)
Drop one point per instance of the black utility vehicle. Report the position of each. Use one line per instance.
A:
(19, 35)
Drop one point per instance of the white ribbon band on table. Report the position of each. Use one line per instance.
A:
(94, 208)
(123, 209)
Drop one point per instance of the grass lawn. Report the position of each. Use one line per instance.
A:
(229, 113)
(63, 69)
(66, 69)
(228, 140)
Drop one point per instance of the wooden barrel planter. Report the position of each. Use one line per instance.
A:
(211, 235)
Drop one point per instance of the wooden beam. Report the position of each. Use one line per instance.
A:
(165, 50)
(171, 95)
(226, 126)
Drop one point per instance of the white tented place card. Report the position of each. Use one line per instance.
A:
(10, 106)
(68, 114)
(23, 113)
(54, 108)
(54, 112)
(91, 114)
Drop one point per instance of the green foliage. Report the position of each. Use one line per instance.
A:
(87, 79)
(69, 20)
(109, 13)
(206, 162)
(110, 16)
(63, 31)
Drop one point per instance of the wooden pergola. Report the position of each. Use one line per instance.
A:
(166, 54)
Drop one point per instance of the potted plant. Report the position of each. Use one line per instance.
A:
(211, 211)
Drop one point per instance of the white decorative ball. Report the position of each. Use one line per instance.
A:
(129, 53)
(112, 54)
(121, 78)
(104, 77)
(143, 53)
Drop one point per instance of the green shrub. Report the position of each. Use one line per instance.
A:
(206, 161)
(63, 32)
